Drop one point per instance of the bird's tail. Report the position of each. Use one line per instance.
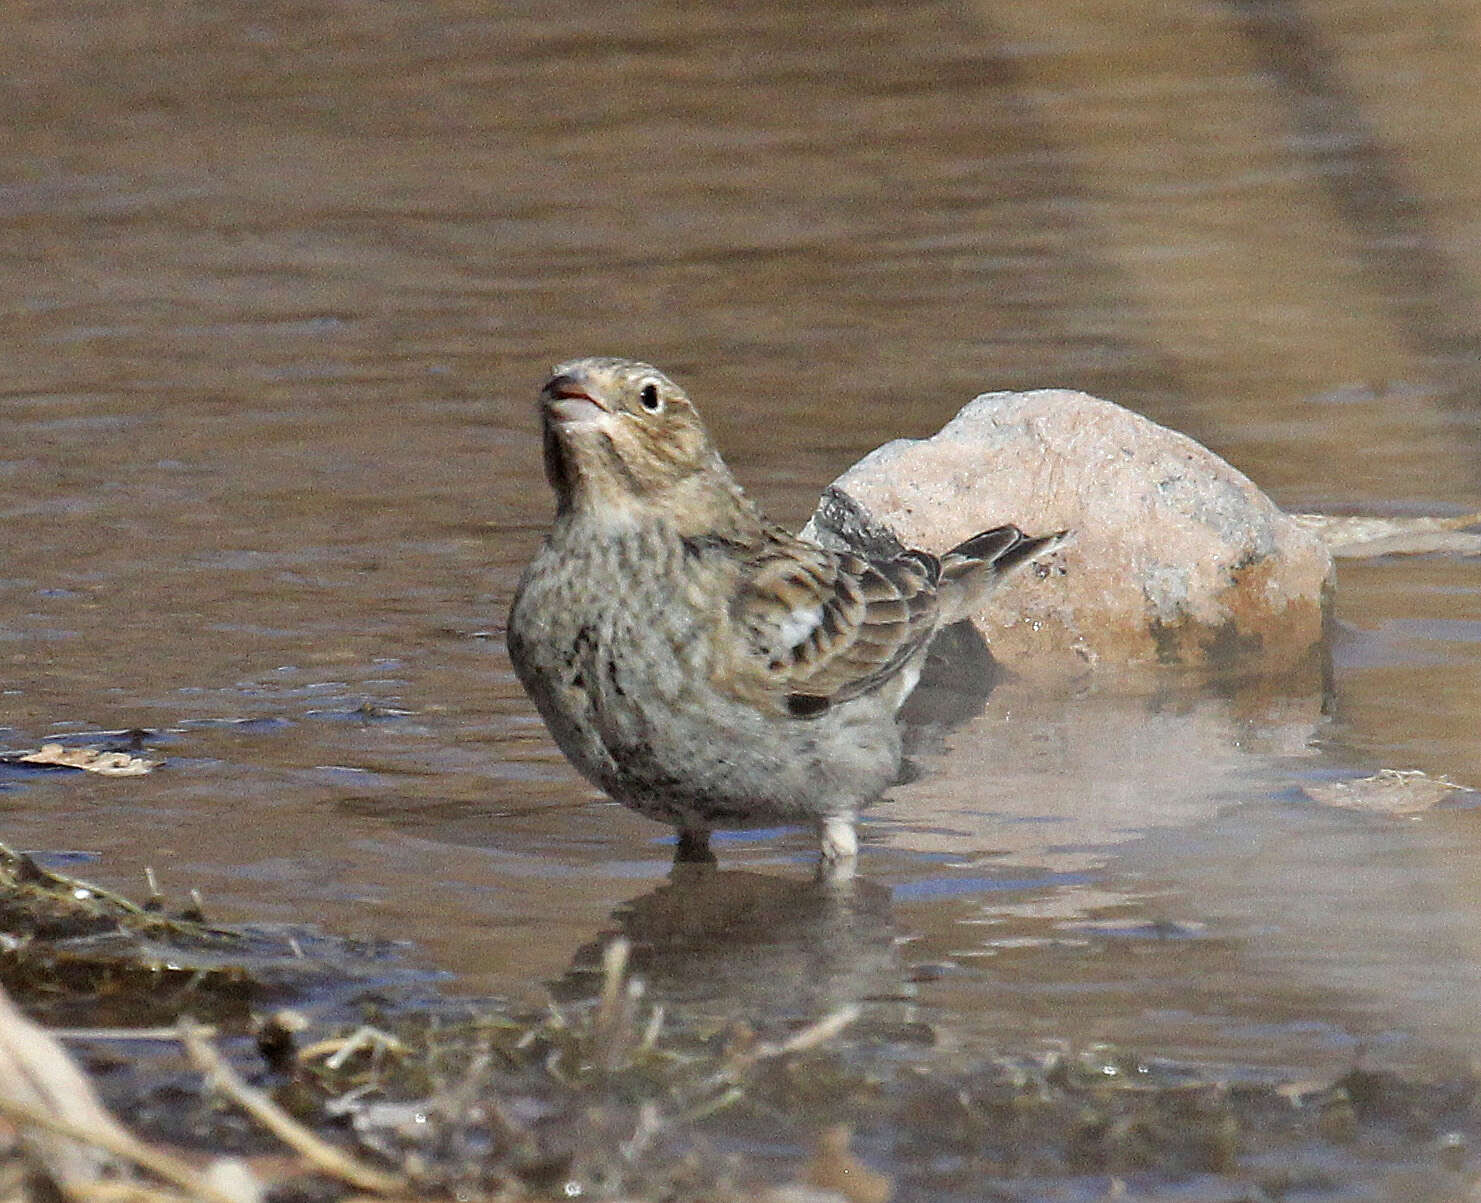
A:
(973, 569)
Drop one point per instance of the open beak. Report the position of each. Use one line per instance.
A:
(570, 399)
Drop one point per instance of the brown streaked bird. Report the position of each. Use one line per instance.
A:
(693, 659)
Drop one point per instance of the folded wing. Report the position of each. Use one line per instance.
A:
(819, 627)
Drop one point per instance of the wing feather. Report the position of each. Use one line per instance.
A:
(817, 628)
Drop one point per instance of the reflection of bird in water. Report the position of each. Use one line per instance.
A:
(749, 943)
(958, 677)
(696, 661)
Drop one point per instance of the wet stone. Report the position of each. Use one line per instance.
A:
(1176, 558)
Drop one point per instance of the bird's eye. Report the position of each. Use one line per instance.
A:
(648, 396)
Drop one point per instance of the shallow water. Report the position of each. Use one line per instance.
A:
(280, 282)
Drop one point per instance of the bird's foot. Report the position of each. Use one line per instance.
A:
(840, 848)
(840, 843)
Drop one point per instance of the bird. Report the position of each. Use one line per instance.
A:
(695, 660)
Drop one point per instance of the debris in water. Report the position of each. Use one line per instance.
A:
(1388, 792)
(1363, 536)
(89, 760)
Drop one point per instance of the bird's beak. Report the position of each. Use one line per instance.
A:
(571, 399)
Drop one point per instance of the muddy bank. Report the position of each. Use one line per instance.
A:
(607, 1093)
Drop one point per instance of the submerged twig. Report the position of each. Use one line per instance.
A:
(127, 1192)
(124, 1034)
(612, 1026)
(322, 1155)
(811, 1036)
(337, 1052)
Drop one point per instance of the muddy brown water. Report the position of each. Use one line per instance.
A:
(279, 283)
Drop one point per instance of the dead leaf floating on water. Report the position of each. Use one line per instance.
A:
(1361, 536)
(1388, 792)
(89, 760)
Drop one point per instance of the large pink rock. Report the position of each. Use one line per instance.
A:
(1176, 558)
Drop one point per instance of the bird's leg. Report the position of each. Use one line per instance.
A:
(840, 847)
(694, 847)
(839, 840)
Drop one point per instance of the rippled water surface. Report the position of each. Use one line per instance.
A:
(279, 284)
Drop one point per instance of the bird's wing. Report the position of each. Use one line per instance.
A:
(818, 627)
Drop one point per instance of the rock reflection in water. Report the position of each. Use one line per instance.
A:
(1031, 771)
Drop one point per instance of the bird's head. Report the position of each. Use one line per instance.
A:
(621, 437)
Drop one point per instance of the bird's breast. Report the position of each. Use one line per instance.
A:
(613, 624)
